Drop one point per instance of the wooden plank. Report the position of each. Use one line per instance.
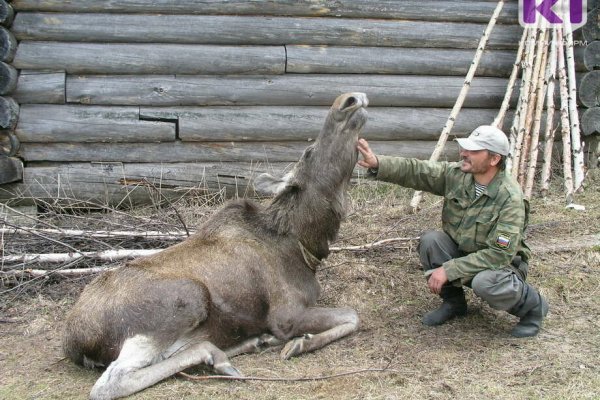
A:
(40, 87)
(11, 169)
(286, 90)
(201, 152)
(401, 61)
(304, 123)
(464, 11)
(126, 58)
(72, 123)
(255, 30)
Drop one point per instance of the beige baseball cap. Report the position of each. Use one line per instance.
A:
(486, 137)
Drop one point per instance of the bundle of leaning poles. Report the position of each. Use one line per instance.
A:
(544, 64)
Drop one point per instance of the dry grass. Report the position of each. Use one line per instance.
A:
(470, 358)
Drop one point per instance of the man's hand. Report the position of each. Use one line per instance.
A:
(369, 158)
(437, 279)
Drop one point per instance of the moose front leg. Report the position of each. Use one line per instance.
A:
(317, 327)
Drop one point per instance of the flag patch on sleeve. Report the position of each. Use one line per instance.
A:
(503, 241)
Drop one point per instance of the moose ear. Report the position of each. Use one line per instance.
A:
(268, 185)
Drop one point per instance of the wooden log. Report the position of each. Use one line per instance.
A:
(285, 90)
(590, 121)
(254, 30)
(40, 87)
(7, 13)
(589, 89)
(9, 112)
(386, 60)
(580, 50)
(8, 78)
(126, 58)
(11, 169)
(95, 185)
(591, 30)
(304, 123)
(204, 152)
(591, 55)
(459, 11)
(8, 45)
(72, 123)
(9, 143)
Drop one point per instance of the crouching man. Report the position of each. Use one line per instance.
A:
(484, 217)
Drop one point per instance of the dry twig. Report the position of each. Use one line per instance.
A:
(303, 379)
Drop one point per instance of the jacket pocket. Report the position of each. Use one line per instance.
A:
(484, 224)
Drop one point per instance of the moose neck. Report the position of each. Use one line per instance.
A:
(313, 208)
(310, 206)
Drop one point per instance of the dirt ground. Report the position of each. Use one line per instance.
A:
(469, 358)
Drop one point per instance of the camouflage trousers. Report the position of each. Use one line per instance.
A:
(501, 288)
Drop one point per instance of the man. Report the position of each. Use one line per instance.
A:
(484, 217)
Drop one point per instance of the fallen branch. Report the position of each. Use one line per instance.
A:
(374, 244)
(439, 147)
(107, 255)
(66, 273)
(304, 379)
(96, 234)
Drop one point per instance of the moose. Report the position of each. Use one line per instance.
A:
(244, 281)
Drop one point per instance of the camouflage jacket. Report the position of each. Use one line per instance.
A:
(488, 229)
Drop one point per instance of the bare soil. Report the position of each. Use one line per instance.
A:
(469, 358)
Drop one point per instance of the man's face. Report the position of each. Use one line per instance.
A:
(476, 161)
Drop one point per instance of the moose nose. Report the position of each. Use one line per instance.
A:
(356, 100)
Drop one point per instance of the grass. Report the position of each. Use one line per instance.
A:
(470, 358)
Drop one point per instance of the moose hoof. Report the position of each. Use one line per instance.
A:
(227, 369)
(295, 346)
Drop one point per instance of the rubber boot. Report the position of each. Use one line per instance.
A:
(453, 305)
(531, 310)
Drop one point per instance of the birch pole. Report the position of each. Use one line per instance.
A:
(542, 85)
(439, 147)
(564, 119)
(523, 137)
(550, 108)
(578, 163)
(499, 120)
(517, 129)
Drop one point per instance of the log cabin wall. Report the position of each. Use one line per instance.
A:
(113, 100)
